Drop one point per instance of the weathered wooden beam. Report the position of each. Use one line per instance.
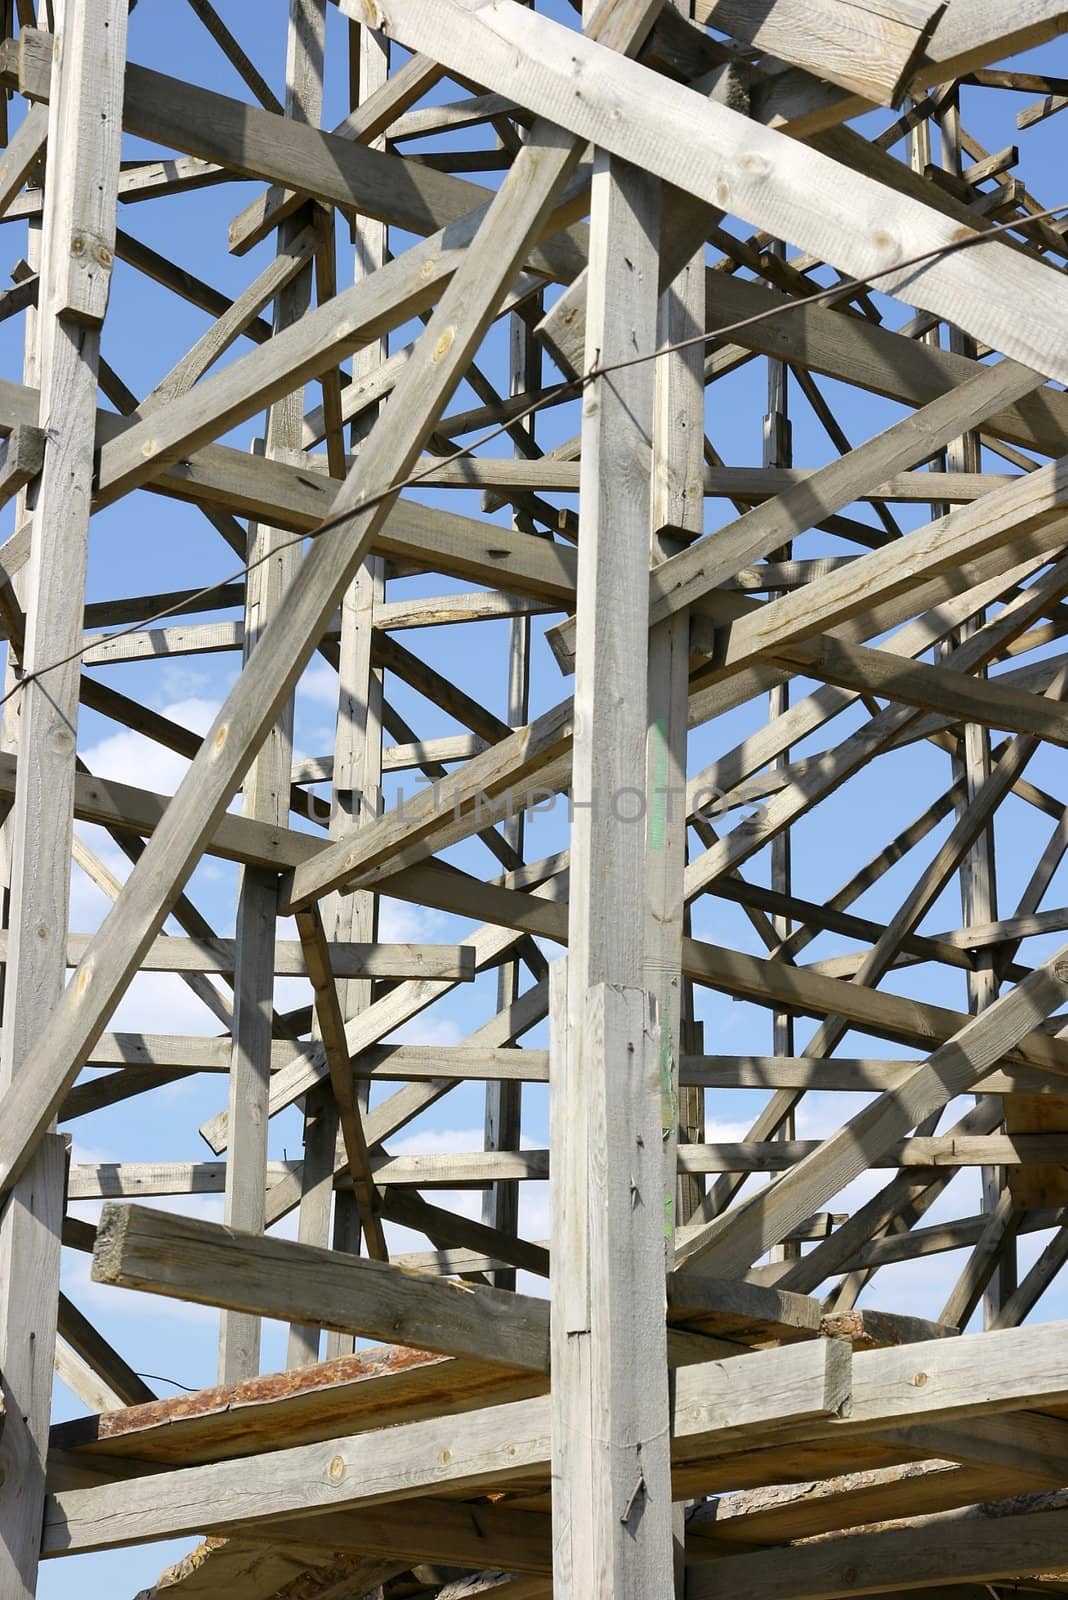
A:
(272, 559)
(162, 1253)
(22, 154)
(335, 1045)
(441, 1531)
(871, 48)
(612, 1504)
(687, 140)
(986, 1543)
(82, 1338)
(931, 688)
(476, 1168)
(138, 811)
(385, 103)
(956, 1067)
(173, 954)
(691, 575)
(84, 126)
(502, 1443)
(254, 143)
(988, 30)
(21, 459)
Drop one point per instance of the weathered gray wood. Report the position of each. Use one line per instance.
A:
(20, 460)
(774, 183)
(877, 961)
(715, 1403)
(235, 54)
(840, 1074)
(358, 763)
(870, 47)
(611, 1475)
(84, 1340)
(982, 701)
(918, 621)
(677, 469)
(273, 559)
(718, 1406)
(276, 276)
(80, 1378)
(175, 954)
(988, 31)
(797, 796)
(1022, 1300)
(987, 1544)
(519, 212)
(476, 1168)
(503, 1115)
(790, 1314)
(435, 1530)
(129, 809)
(166, 1254)
(84, 123)
(693, 573)
(256, 143)
(304, 1070)
(332, 1033)
(22, 153)
(844, 1154)
(386, 100)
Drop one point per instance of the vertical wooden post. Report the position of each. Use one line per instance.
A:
(612, 1513)
(678, 501)
(266, 790)
(978, 874)
(778, 452)
(357, 786)
(78, 239)
(504, 1101)
(611, 1479)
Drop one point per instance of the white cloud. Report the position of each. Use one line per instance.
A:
(426, 1030)
(130, 757)
(400, 922)
(437, 1142)
(159, 1002)
(319, 682)
(196, 711)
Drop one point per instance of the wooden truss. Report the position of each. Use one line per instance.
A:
(536, 268)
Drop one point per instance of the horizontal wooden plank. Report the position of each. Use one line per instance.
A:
(871, 47)
(163, 1253)
(987, 1543)
(727, 161)
(138, 811)
(175, 954)
(463, 1168)
(350, 1394)
(498, 1445)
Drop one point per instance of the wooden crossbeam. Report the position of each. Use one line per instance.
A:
(870, 48)
(983, 1545)
(685, 140)
(346, 960)
(676, 214)
(957, 1066)
(166, 1254)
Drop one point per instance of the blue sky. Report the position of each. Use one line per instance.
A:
(147, 543)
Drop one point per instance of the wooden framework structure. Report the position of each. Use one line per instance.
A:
(491, 320)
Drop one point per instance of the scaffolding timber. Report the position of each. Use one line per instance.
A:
(703, 348)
